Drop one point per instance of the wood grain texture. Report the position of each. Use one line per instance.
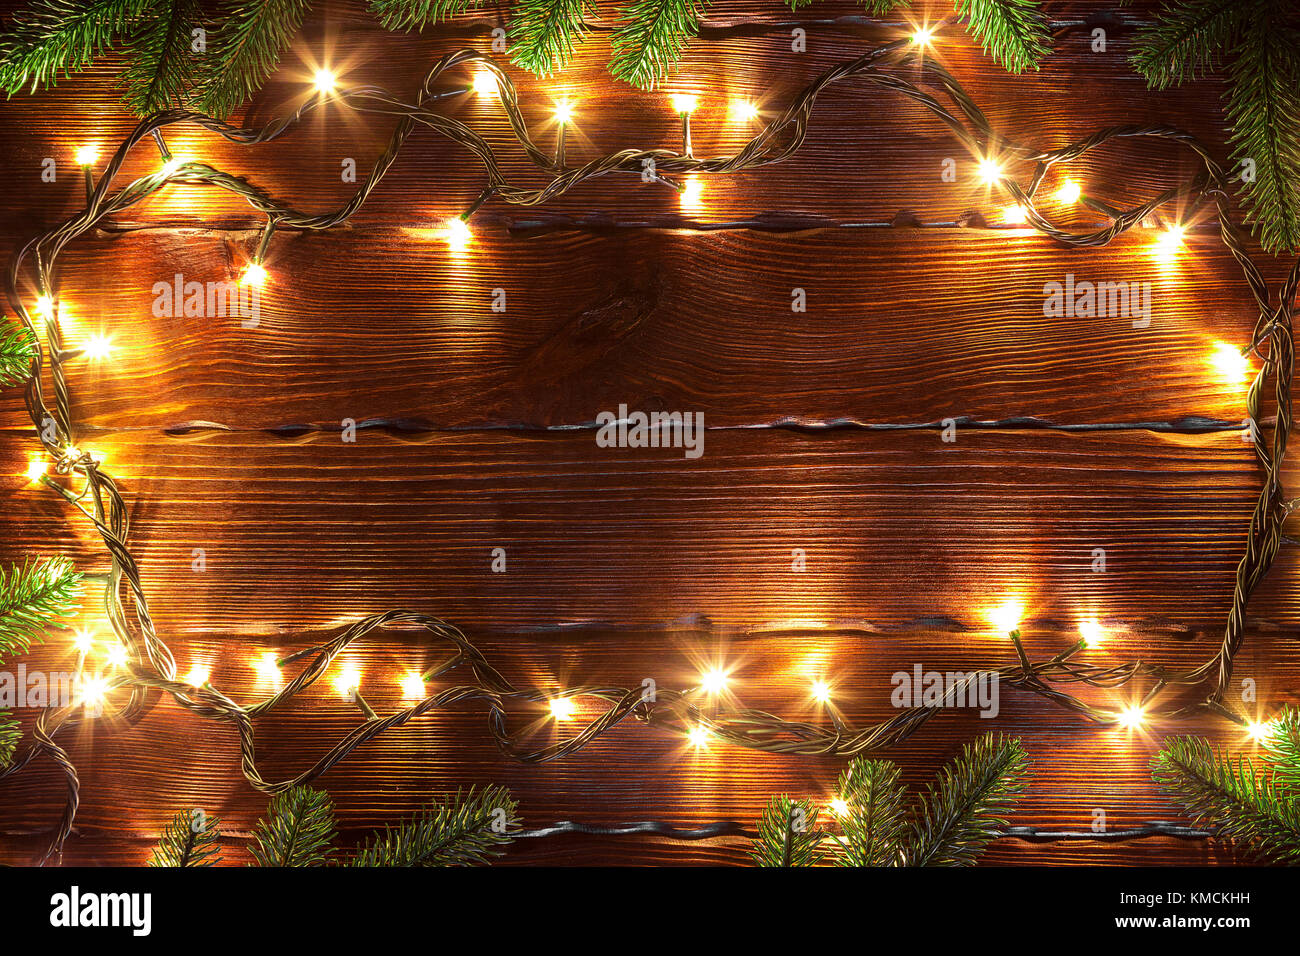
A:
(475, 432)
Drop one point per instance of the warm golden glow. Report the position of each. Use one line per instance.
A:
(485, 83)
(347, 682)
(1229, 363)
(93, 691)
(324, 81)
(1169, 243)
(98, 347)
(564, 112)
(35, 469)
(84, 642)
(175, 163)
(268, 668)
(198, 676)
(923, 36)
(744, 110)
(458, 234)
(254, 274)
(1015, 215)
(821, 691)
(685, 102)
(692, 190)
(562, 708)
(45, 306)
(1260, 731)
(117, 655)
(413, 686)
(1132, 717)
(86, 155)
(990, 171)
(714, 681)
(699, 737)
(839, 806)
(1069, 192)
(1091, 632)
(1006, 616)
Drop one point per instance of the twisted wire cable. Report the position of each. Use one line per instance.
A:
(152, 667)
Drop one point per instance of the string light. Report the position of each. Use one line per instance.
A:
(562, 708)
(36, 469)
(1070, 192)
(1260, 731)
(175, 163)
(45, 306)
(990, 171)
(198, 676)
(1132, 717)
(485, 83)
(94, 690)
(698, 737)
(458, 234)
(564, 112)
(117, 655)
(1090, 632)
(1169, 243)
(684, 103)
(268, 668)
(923, 36)
(255, 274)
(839, 806)
(84, 642)
(348, 682)
(98, 347)
(1015, 215)
(1006, 616)
(744, 110)
(324, 81)
(714, 681)
(1229, 363)
(86, 155)
(821, 691)
(692, 190)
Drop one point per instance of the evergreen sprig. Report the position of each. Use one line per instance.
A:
(17, 349)
(1256, 44)
(1014, 32)
(787, 834)
(191, 839)
(9, 737)
(1283, 745)
(654, 34)
(33, 596)
(954, 820)
(161, 68)
(543, 33)
(56, 37)
(417, 14)
(459, 831)
(1244, 806)
(297, 830)
(246, 46)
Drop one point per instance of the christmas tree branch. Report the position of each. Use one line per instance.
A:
(17, 349)
(875, 823)
(297, 830)
(787, 834)
(34, 596)
(458, 832)
(189, 840)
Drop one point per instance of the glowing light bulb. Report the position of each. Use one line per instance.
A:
(86, 155)
(699, 737)
(1091, 632)
(45, 306)
(1069, 192)
(1015, 215)
(923, 36)
(1006, 616)
(117, 655)
(268, 668)
(35, 469)
(413, 686)
(93, 692)
(692, 190)
(324, 81)
(254, 274)
(1260, 731)
(97, 348)
(458, 234)
(1170, 242)
(348, 682)
(1132, 717)
(562, 708)
(564, 112)
(84, 642)
(198, 676)
(1229, 363)
(485, 83)
(714, 681)
(821, 691)
(685, 102)
(744, 110)
(990, 171)
(175, 163)
(839, 806)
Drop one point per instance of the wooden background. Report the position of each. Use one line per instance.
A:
(622, 563)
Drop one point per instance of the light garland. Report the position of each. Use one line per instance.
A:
(145, 662)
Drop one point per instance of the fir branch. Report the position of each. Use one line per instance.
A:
(1283, 745)
(876, 822)
(1264, 107)
(297, 830)
(787, 834)
(417, 14)
(652, 39)
(160, 67)
(460, 832)
(189, 840)
(544, 32)
(1185, 39)
(1013, 31)
(244, 51)
(33, 597)
(960, 810)
(1242, 807)
(880, 7)
(9, 737)
(17, 349)
(62, 36)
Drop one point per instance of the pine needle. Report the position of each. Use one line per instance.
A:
(63, 37)
(9, 737)
(417, 14)
(191, 839)
(461, 831)
(17, 349)
(787, 834)
(1243, 807)
(34, 596)
(297, 830)
(543, 33)
(652, 39)
(1184, 41)
(1014, 32)
(244, 51)
(875, 825)
(959, 814)
(160, 64)
(1284, 747)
